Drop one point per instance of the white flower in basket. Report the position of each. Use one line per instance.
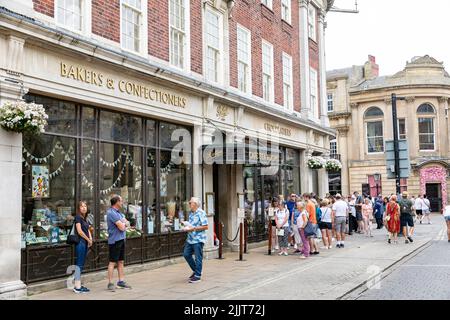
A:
(316, 162)
(20, 116)
(333, 165)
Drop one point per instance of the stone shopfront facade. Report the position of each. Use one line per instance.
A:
(118, 107)
(363, 113)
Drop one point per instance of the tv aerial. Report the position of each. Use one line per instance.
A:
(336, 9)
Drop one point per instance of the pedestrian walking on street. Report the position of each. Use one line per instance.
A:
(274, 206)
(339, 218)
(426, 209)
(117, 225)
(311, 208)
(367, 212)
(419, 205)
(196, 239)
(358, 206)
(282, 225)
(393, 219)
(302, 221)
(378, 212)
(352, 222)
(406, 217)
(81, 249)
(294, 227)
(325, 224)
(446, 214)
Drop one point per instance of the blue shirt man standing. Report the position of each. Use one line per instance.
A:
(196, 239)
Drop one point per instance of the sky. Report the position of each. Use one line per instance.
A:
(393, 31)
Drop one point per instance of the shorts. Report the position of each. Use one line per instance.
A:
(406, 220)
(340, 224)
(117, 251)
(447, 218)
(359, 216)
(419, 212)
(325, 225)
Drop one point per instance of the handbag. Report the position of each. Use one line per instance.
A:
(280, 232)
(309, 229)
(73, 237)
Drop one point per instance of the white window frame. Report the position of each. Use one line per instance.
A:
(248, 72)
(271, 92)
(314, 103)
(433, 117)
(333, 143)
(406, 129)
(86, 17)
(186, 38)
(220, 51)
(286, 10)
(143, 29)
(312, 22)
(268, 4)
(367, 136)
(287, 59)
(330, 102)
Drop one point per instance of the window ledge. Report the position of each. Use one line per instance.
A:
(286, 26)
(267, 12)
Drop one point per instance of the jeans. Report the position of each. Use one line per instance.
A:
(81, 250)
(197, 250)
(379, 222)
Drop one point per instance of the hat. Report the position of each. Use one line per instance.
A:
(338, 195)
(404, 193)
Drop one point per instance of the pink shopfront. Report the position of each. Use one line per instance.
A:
(433, 183)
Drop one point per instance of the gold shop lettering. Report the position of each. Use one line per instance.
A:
(277, 129)
(82, 74)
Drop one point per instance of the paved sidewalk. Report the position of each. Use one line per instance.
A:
(329, 275)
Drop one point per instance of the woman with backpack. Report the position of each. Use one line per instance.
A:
(81, 249)
(325, 224)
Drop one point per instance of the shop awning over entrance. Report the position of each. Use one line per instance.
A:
(241, 153)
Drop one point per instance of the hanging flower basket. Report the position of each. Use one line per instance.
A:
(333, 165)
(23, 117)
(316, 163)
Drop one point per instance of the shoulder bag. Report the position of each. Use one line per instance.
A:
(309, 229)
(73, 237)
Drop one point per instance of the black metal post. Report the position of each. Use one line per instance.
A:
(396, 147)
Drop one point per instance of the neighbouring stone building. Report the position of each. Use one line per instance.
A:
(360, 109)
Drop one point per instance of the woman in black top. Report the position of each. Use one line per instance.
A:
(82, 228)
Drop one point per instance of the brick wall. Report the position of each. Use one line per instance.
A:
(196, 36)
(46, 7)
(106, 19)
(158, 29)
(266, 24)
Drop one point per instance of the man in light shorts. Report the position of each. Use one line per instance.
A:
(339, 217)
(446, 213)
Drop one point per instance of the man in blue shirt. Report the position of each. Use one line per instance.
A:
(196, 239)
(291, 204)
(117, 224)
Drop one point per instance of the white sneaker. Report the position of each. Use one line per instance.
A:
(324, 248)
(281, 253)
(286, 254)
(329, 247)
(295, 246)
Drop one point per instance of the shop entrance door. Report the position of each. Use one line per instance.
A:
(433, 192)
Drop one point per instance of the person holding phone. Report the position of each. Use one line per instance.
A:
(81, 249)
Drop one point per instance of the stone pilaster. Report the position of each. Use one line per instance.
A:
(323, 72)
(306, 110)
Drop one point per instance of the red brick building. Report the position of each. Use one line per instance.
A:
(119, 80)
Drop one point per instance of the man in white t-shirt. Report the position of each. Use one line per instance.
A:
(426, 210)
(339, 217)
(446, 213)
(419, 204)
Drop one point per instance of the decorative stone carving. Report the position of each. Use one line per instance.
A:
(388, 100)
(443, 99)
(343, 131)
(354, 105)
(410, 99)
(222, 112)
(14, 56)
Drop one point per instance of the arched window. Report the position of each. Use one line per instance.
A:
(373, 112)
(426, 118)
(374, 130)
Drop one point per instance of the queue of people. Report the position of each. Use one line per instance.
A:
(333, 218)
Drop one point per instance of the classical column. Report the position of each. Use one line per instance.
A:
(304, 60)
(444, 128)
(11, 89)
(24, 7)
(323, 72)
(342, 141)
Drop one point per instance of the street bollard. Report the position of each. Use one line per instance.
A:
(245, 237)
(220, 240)
(269, 251)
(241, 241)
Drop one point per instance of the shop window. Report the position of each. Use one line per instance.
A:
(151, 133)
(175, 192)
(151, 192)
(292, 171)
(121, 174)
(88, 122)
(120, 127)
(88, 178)
(172, 135)
(48, 188)
(61, 114)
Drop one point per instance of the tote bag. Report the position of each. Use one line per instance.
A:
(73, 237)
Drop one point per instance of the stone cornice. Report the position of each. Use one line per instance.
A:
(339, 115)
